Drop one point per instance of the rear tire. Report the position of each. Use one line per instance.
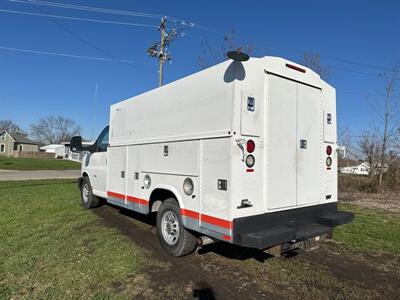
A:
(88, 199)
(173, 237)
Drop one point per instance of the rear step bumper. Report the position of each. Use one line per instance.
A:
(271, 229)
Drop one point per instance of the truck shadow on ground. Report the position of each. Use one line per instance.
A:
(221, 248)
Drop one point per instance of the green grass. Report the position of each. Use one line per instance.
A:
(372, 231)
(32, 164)
(52, 248)
(357, 248)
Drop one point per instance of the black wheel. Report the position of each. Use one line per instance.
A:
(88, 199)
(173, 237)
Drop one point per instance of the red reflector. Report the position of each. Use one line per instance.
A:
(250, 170)
(296, 68)
(226, 237)
(251, 146)
(328, 150)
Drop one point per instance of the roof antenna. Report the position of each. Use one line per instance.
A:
(238, 55)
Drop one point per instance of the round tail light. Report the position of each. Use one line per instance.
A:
(250, 161)
(328, 150)
(328, 161)
(250, 146)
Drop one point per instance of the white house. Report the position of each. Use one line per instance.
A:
(58, 150)
(361, 169)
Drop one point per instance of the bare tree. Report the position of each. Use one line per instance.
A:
(369, 147)
(344, 139)
(9, 125)
(386, 117)
(54, 130)
(313, 61)
(211, 55)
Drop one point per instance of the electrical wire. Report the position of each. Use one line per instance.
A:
(174, 19)
(96, 9)
(77, 18)
(148, 15)
(83, 40)
(24, 50)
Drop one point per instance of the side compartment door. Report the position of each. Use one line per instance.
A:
(134, 180)
(116, 173)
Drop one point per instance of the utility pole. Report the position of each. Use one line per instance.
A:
(159, 50)
(161, 28)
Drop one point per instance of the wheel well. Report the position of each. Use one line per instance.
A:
(80, 179)
(158, 196)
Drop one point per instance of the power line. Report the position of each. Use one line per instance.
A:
(96, 9)
(51, 53)
(24, 50)
(354, 71)
(198, 26)
(357, 63)
(361, 93)
(87, 42)
(174, 19)
(77, 18)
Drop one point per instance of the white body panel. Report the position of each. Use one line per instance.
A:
(95, 165)
(196, 127)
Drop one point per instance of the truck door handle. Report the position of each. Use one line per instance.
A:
(303, 144)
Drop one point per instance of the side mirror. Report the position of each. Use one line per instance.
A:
(76, 144)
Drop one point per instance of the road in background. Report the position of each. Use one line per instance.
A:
(28, 175)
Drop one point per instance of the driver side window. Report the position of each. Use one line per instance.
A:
(102, 142)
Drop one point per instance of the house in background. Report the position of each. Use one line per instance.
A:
(361, 169)
(74, 155)
(10, 142)
(58, 150)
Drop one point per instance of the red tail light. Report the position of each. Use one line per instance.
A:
(328, 150)
(250, 146)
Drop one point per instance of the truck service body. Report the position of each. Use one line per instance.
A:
(247, 150)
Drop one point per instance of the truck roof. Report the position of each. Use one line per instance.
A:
(201, 104)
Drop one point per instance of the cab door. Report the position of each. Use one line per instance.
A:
(96, 164)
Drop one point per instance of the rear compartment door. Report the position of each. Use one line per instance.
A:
(294, 136)
(309, 137)
(282, 142)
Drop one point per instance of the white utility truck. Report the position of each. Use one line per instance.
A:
(242, 152)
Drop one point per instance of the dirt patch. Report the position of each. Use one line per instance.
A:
(377, 273)
(200, 279)
(389, 201)
(224, 271)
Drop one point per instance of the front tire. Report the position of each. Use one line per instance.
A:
(173, 237)
(88, 199)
